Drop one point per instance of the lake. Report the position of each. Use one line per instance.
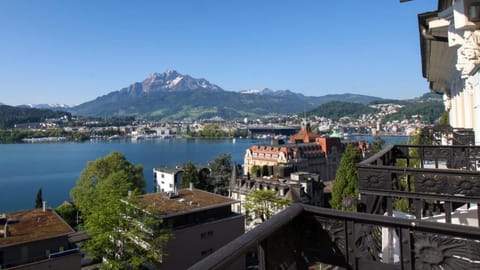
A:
(55, 167)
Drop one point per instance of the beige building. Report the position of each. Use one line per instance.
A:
(450, 46)
(306, 151)
(36, 239)
(300, 187)
(200, 223)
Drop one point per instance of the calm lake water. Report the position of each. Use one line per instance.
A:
(55, 167)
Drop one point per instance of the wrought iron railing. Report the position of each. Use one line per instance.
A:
(303, 236)
(446, 135)
(430, 178)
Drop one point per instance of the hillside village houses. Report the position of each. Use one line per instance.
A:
(137, 130)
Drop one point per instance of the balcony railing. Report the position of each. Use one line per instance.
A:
(431, 179)
(450, 136)
(303, 236)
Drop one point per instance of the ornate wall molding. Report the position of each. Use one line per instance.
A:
(468, 60)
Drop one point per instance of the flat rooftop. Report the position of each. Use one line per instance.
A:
(33, 225)
(186, 201)
(168, 170)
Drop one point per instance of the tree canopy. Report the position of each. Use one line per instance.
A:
(190, 175)
(345, 186)
(10, 115)
(221, 171)
(39, 199)
(264, 203)
(105, 171)
(121, 234)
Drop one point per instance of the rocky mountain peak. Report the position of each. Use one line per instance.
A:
(171, 80)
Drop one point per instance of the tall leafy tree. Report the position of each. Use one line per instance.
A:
(123, 236)
(68, 212)
(190, 175)
(106, 169)
(264, 204)
(220, 173)
(345, 186)
(39, 199)
(444, 119)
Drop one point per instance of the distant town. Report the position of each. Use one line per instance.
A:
(71, 128)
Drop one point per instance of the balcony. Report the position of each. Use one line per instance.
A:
(303, 236)
(431, 181)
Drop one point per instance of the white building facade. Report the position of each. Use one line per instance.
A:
(166, 179)
(450, 43)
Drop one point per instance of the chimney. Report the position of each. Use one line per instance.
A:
(44, 206)
(191, 186)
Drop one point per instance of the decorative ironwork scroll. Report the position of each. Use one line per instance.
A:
(442, 252)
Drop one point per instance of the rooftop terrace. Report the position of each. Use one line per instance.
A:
(34, 225)
(185, 201)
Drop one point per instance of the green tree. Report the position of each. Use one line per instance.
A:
(203, 179)
(420, 137)
(39, 199)
(220, 173)
(124, 236)
(190, 175)
(105, 169)
(120, 234)
(345, 186)
(265, 171)
(68, 212)
(264, 203)
(444, 119)
(255, 170)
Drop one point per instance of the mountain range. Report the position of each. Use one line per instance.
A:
(173, 96)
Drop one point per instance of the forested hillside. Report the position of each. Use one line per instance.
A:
(338, 109)
(428, 108)
(9, 115)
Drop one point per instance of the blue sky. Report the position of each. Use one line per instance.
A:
(74, 51)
